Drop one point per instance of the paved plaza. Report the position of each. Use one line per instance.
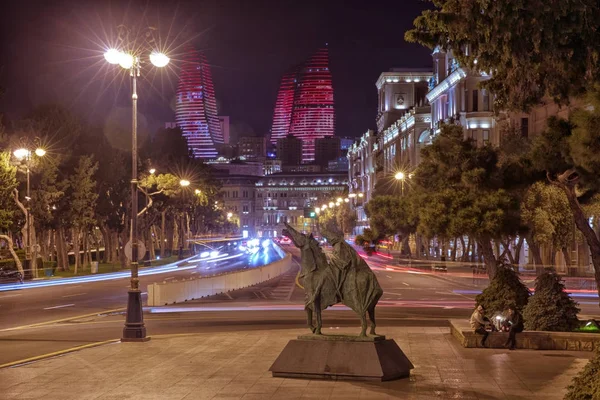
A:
(235, 366)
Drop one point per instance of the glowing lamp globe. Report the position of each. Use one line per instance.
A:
(113, 56)
(184, 182)
(21, 153)
(40, 152)
(159, 59)
(126, 60)
(399, 176)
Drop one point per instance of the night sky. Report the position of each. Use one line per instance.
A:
(52, 52)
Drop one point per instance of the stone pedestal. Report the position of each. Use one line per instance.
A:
(342, 357)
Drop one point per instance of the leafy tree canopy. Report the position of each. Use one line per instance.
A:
(533, 49)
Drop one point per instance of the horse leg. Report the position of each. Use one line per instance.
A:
(372, 318)
(317, 308)
(309, 318)
(363, 324)
(371, 311)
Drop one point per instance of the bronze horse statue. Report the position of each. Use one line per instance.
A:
(349, 281)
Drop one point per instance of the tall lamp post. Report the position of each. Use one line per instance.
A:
(134, 330)
(23, 154)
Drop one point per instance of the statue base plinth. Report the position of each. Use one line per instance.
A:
(371, 358)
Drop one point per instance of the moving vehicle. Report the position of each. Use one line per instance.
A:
(285, 240)
(8, 274)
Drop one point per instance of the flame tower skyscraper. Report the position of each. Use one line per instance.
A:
(196, 109)
(304, 106)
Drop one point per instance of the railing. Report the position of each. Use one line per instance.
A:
(172, 292)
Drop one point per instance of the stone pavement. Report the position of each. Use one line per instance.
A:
(235, 366)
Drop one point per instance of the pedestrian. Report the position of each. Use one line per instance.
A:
(478, 321)
(514, 324)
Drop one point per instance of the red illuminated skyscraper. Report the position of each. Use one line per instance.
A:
(196, 110)
(304, 106)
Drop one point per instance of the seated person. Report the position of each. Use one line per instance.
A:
(478, 322)
(513, 324)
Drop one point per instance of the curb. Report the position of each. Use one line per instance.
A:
(16, 328)
(56, 353)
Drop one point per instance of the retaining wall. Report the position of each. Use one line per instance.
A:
(534, 340)
(160, 294)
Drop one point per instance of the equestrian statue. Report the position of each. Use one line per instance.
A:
(345, 278)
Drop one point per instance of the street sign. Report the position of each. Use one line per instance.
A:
(141, 250)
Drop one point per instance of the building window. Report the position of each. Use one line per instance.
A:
(245, 209)
(486, 100)
(245, 193)
(465, 101)
(235, 194)
(475, 100)
(524, 127)
(486, 136)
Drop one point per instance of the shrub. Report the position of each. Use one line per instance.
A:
(506, 289)
(550, 308)
(586, 384)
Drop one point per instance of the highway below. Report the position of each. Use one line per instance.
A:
(412, 297)
(47, 300)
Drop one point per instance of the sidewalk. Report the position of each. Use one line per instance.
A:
(235, 366)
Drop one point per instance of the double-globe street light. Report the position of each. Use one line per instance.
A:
(134, 329)
(25, 155)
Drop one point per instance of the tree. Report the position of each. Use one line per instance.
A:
(82, 198)
(461, 190)
(545, 209)
(586, 384)
(569, 152)
(533, 49)
(8, 183)
(550, 308)
(505, 290)
(393, 215)
(367, 240)
(345, 217)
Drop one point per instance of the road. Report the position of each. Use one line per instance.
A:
(46, 300)
(412, 296)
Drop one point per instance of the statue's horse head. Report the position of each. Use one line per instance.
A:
(300, 240)
(313, 257)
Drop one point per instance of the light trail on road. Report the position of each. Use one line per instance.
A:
(172, 267)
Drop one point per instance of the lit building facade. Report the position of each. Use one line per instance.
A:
(398, 91)
(455, 96)
(284, 197)
(238, 194)
(304, 106)
(361, 175)
(196, 108)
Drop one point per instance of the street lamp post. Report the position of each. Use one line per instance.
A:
(401, 176)
(134, 330)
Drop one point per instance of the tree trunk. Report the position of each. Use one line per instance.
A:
(518, 247)
(114, 246)
(75, 238)
(453, 253)
(150, 246)
(11, 249)
(534, 250)
(106, 241)
(485, 244)
(162, 233)
(62, 253)
(121, 244)
(567, 257)
(566, 183)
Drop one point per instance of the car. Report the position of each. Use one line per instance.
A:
(285, 240)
